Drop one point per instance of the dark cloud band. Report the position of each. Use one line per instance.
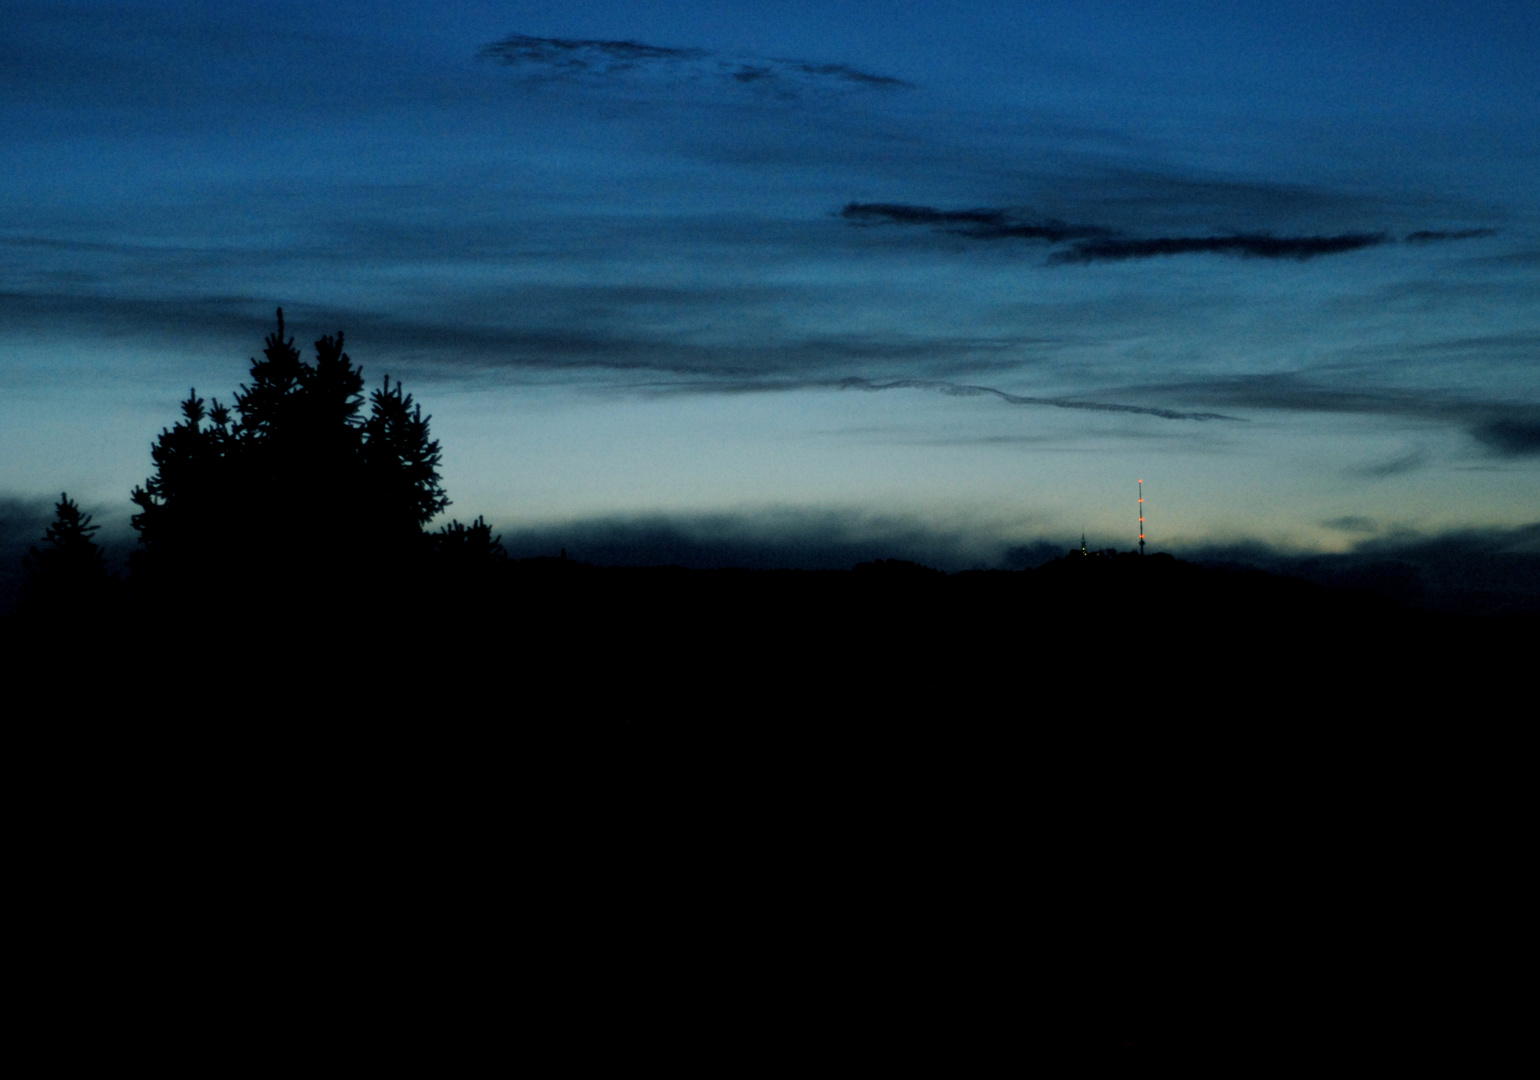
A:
(848, 74)
(582, 54)
(1510, 436)
(1093, 243)
(591, 57)
(1248, 245)
(986, 224)
(1433, 236)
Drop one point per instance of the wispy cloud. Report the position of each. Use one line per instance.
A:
(846, 73)
(598, 58)
(1249, 245)
(940, 386)
(584, 54)
(986, 224)
(1504, 429)
(966, 390)
(1352, 523)
(615, 332)
(1098, 243)
(1382, 470)
(1433, 236)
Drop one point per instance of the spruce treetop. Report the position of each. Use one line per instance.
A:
(295, 478)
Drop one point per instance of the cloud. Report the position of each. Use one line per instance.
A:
(965, 390)
(747, 73)
(940, 386)
(1352, 523)
(1248, 245)
(1095, 243)
(848, 74)
(904, 214)
(986, 224)
(601, 59)
(583, 54)
(1290, 391)
(599, 335)
(787, 538)
(1431, 236)
(1503, 429)
(1511, 436)
(1394, 467)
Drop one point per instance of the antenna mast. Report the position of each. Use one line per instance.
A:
(1141, 517)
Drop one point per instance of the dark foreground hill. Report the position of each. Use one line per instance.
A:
(1228, 818)
(1103, 639)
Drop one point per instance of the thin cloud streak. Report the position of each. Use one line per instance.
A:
(446, 347)
(1096, 243)
(1503, 429)
(951, 389)
(582, 54)
(1394, 467)
(1247, 245)
(590, 58)
(966, 390)
(985, 224)
(1431, 236)
(849, 74)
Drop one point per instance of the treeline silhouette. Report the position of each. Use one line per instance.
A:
(293, 502)
(296, 518)
(296, 493)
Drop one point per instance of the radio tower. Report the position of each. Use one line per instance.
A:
(1141, 517)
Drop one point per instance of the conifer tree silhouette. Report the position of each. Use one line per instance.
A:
(468, 547)
(402, 462)
(294, 490)
(186, 506)
(69, 576)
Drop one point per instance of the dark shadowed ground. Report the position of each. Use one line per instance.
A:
(1112, 809)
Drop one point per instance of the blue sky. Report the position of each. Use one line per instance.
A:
(945, 277)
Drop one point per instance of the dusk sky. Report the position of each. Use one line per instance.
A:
(940, 278)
